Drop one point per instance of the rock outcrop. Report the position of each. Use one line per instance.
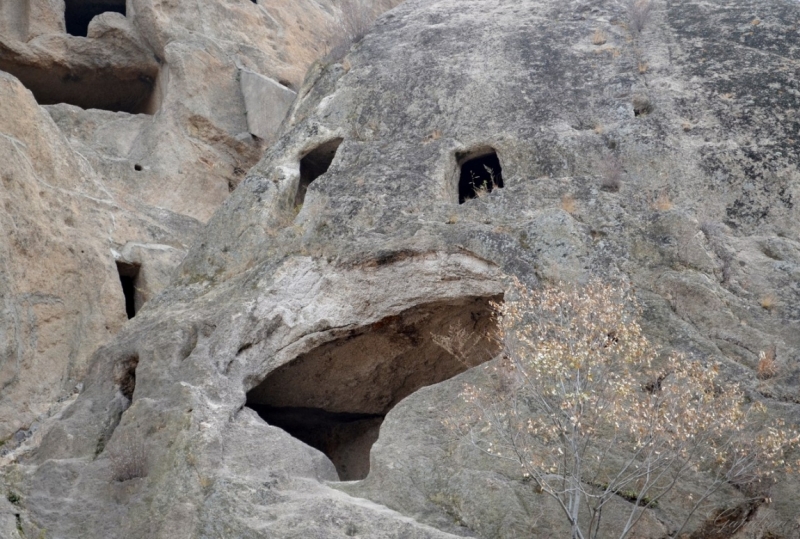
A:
(665, 158)
(91, 195)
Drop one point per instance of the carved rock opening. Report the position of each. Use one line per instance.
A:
(79, 13)
(105, 89)
(335, 397)
(128, 276)
(313, 165)
(479, 172)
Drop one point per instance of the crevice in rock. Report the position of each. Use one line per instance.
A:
(125, 380)
(313, 165)
(79, 13)
(126, 376)
(334, 397)
(479, 172)
(128, 276)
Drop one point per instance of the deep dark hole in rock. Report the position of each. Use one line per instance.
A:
(334, 397)
(481, 173)
(128, 275)
(79, 13)
(344, 438)
(313, 165)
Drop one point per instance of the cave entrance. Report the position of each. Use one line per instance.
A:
(480, 172)
(335, 397)
(313, 165)
(133, 88)
(79, 13)
(128, 276)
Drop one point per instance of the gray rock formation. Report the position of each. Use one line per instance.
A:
(91, 195)
(665, 158)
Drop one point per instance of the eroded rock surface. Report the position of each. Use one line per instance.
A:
(666, 159)
(147, 134)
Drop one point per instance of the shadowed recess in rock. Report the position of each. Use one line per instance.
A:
(480, 172)
(334, 397)
(104, 89)
(313, 165)
(79, 13)
(111, 72)
(128, 275)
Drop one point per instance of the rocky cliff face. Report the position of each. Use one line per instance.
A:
(153, 111)
(293, 349)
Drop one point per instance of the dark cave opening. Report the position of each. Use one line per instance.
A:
(128, 275)
(480, 173)
(335, 396)
(79, 13)
(313, 165)
(343, 437)
(104, 89)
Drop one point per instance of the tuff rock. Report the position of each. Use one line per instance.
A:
(665, 159)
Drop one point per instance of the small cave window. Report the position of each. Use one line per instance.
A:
(313, 165)
(336, 396)
(478, 174)
(79, 13)
(128, 276)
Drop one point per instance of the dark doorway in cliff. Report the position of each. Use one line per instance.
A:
(479, 172)
(106, 88)
(128, 276)
(335, 396)
(79, 13)
(313, 165)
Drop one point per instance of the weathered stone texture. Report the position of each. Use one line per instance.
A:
(128, 184)
(667, 160)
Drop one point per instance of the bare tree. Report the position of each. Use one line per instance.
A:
(581, 406)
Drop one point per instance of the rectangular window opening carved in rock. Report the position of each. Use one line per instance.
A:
(479, 173)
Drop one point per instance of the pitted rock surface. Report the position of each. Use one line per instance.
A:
(665, 159)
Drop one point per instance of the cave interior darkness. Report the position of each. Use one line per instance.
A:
(79, 13)
(336, 396)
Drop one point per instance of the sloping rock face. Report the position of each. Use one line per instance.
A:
(143, 133)
(665, 158)
(59, 283)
